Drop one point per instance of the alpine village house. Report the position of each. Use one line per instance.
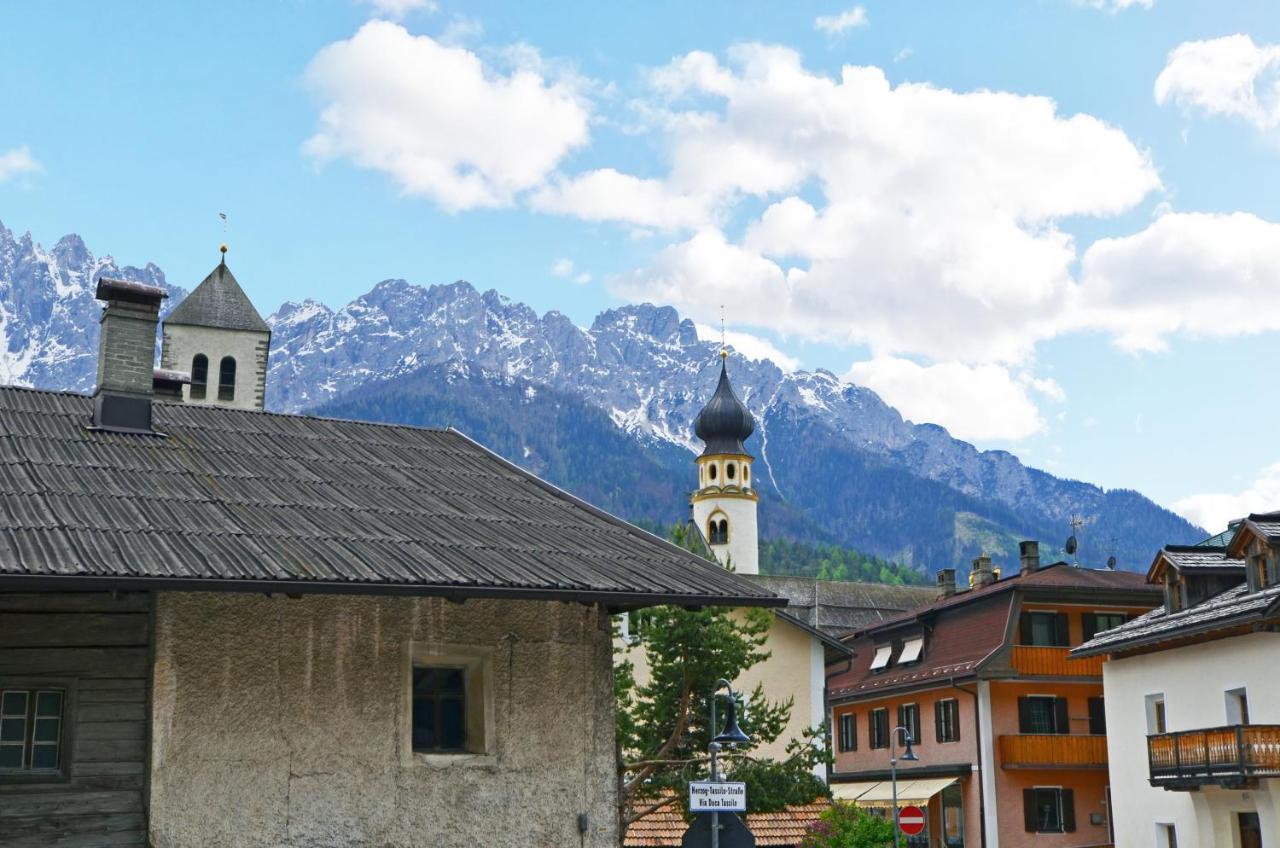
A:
(225, 627)
(1193, 698)
(1010, 733)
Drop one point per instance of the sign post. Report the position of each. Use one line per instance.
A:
(911, 820)
(721, 797)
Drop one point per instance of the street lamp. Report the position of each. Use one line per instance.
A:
(908, 756)
(732, 735)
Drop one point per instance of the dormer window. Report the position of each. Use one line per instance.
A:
(1263, 571)
(881, 660)
(1172, 593)
(911, 650)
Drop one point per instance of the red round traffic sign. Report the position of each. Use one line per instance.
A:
(911, 820)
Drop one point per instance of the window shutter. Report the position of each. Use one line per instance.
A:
(1063, 630)
(1024, 715)
(1061, 720)
(1090, 623)
(853, 731)
(1029, 809)
(955, 720)
(1097, 716)
(1068, 811)
(902, 717)
(1024, 629)
(937, 721)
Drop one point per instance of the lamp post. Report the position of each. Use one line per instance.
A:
(732, 735)
(908, 756)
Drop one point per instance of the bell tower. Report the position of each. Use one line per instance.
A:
(217, 336)
(724, 504)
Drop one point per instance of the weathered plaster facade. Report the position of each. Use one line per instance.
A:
(285, 722)
(180, 343)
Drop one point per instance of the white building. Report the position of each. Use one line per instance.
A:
(1193, 698)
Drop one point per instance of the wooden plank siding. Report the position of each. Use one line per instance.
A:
(101, 642)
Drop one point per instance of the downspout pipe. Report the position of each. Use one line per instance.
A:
(977, 738)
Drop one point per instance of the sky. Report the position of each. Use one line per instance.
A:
(1052, 226)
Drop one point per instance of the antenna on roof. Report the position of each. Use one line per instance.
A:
(1073, 544)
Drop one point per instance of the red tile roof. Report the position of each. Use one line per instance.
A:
(783, 829)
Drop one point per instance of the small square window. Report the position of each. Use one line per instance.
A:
(881, 659)
(450, 709)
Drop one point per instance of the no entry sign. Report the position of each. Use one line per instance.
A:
(911, 820)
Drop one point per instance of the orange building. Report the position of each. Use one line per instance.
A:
(1009, 732)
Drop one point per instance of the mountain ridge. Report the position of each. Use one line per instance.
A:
(918, 495)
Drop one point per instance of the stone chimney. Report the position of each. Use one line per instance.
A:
(981, 574)
(126, 356)
(1029, 551)
(946, 582)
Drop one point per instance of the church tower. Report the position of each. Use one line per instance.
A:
(217, 336)
(724, 505)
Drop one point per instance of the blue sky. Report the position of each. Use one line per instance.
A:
(1049, 225)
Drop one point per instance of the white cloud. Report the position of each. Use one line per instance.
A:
(1186, 273)
(903, 55)
(750, 346)
(609, 195)
(1212, 511)
(1114, 6)
(18, 161)
(842, 22)
(983, 402)
(882, 202)
(1229, 76)
(440, 122)
(564, 269)
(397, 9)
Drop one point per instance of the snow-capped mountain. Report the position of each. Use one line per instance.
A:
(836, 464)
(48, 315)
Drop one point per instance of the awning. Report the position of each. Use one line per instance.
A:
(880, 793)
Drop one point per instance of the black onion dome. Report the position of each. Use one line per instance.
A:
(724, 423)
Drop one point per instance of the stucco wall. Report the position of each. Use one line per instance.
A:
(743, 550)
(181, 342)
(285, 722)
(1194, 680)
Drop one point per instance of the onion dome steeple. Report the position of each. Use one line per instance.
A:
(724, 423)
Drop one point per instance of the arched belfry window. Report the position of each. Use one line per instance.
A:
(731, 470)
(227, 379)
(199, 376)
(712, 472)
(718, 531)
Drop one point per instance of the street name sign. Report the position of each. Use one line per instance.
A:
(911, 820)
(708, 797)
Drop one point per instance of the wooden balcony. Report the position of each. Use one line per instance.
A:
(1053, 750)
(1033, 661)
(1227, 756)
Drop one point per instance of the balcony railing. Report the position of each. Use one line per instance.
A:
(1053, 662)
(1228, 756)
(1053, 750)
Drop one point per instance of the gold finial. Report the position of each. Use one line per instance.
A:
(223, 247)
(724, 353)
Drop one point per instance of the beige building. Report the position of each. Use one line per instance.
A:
(236, 628)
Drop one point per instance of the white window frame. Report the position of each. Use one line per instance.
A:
(1237, 704)
(1149, 701)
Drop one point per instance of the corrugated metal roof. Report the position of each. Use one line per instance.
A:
(233, 499)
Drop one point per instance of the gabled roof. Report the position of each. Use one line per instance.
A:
(1232, 608)
(233, 499)
(1193, 558)
(1265, 525)
(219, 302)
(839, 607)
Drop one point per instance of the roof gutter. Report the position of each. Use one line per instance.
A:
(612, 599)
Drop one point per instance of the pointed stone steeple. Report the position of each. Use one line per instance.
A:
(217, 336)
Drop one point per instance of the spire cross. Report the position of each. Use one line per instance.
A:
(724, 349)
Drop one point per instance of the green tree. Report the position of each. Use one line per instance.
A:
(664, 725)
(846, 826)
